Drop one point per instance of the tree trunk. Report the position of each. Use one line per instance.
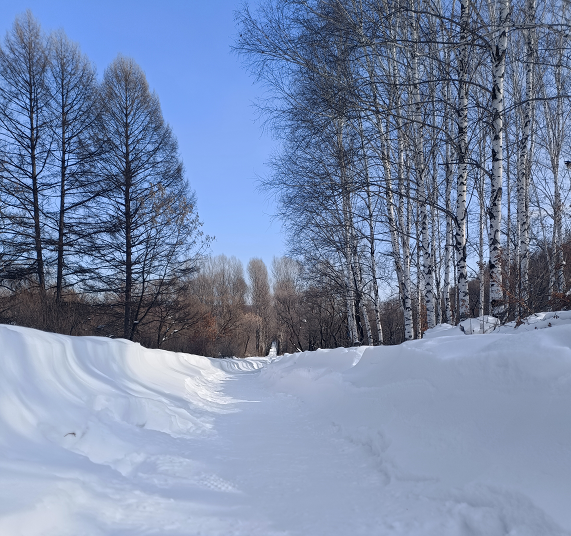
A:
(424, 241)
(127, 325)
(524, 159)
(372, 260)
(348, 239)
(40, 269)
(61, 219)
(482, 227)
(405, 237)
(495, 209)
(461, 187)
(449, 230)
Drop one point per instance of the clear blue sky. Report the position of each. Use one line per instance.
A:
(184, 48)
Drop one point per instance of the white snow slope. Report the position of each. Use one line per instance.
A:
(452, 435)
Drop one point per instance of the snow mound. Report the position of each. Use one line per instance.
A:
(64, 389)
(471, 434)
(470, 326)
(441, 330)
(88, 430)
(479, 325)
(540, 321)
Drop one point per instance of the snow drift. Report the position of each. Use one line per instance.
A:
(85, 425)
(453, 435)
(471, 433)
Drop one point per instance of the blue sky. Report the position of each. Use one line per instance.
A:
(184, 48)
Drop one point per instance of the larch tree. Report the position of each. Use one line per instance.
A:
(74, 109)
(147, 223)
(25, 144)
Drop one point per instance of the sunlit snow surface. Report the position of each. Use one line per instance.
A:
(453, 435)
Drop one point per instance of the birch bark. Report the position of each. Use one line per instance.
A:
(424, 241)
(348, 239)
(404, 193)
(372, 256)
(462, 181)
(524, 158)
(495, 209)
(406, 283)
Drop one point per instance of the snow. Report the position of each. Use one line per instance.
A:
(482, 324)
(273, 350)
(452, 435)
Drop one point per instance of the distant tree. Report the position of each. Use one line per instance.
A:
(289, 303)
(261, 300)
(176, 314)
(221, 287)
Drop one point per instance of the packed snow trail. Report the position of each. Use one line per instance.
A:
(454, 435)
(297, 469)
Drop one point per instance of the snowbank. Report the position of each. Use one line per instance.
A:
(455, 435)
(471, 433)
(88, 434)
(65, 390)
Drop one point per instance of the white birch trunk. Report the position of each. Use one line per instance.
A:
(392, 227)
(462, 182)
(524, 159)
(365, 316)
(348, 239)
(435, 245)
(558, 279)
(405, 237)
(419, 278)
(424, 239)
(495, 211)
(447, 249)
(372, 260)
(403, 290)
(406, 282)
(350, 302)
(482, 230)
(448, 206)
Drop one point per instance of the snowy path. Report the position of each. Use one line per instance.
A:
(451, 436)
(293, 465)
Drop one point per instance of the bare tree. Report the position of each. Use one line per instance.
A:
(501, 22)
(25, 144)
(261, 301)
(221, 287)
(74, 109)
(148, 229)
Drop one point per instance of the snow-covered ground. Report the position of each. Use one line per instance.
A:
(452, 435)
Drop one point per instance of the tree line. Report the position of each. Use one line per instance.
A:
(423, 177)
(96, 216)
(244, 313)
(425, 158)
(99, 233)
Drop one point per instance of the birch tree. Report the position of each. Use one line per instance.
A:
(498, 54)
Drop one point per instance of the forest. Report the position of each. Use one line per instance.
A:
(425, 156)
(99, 233)
(423, 177)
